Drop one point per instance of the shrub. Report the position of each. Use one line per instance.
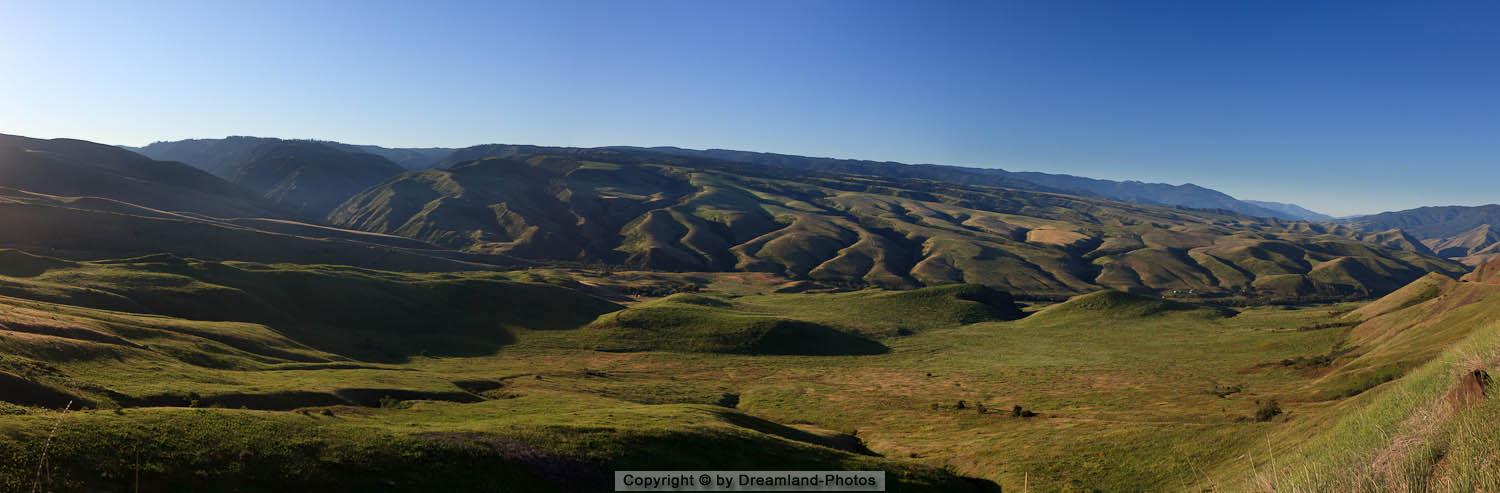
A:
(1224, 391)
(962, 405)
(1267, 410)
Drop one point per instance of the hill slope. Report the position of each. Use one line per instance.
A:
(1414, 379)
(92, 228)
(1462, 233)
(85, 169)
(309, 178)
(1291, 211)
(1189, 195)
(669, 212)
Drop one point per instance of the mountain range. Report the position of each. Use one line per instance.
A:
(1458, 232)
(215, 155)
(829, 221)
(1188, 195)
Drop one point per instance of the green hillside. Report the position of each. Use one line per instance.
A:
(1421, 418)
(322, 373)
(657, 211)
(539, 320)
(1109, 391)
(808, 324)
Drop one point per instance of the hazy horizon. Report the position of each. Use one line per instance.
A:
(1341, 110)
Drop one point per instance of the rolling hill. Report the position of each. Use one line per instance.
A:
(1465, 234)
(78, 168)
(1411, 397)
(1188, 195)
(90, 228)
(151, 308)
(406, 157)
(216, 155)
(665, 211)
(308, 178)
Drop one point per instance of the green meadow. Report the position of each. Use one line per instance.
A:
(341, 379)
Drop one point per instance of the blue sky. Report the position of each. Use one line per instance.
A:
(1344, 107)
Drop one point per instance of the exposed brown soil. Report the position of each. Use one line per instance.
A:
(1488, 273)
(1472, 389)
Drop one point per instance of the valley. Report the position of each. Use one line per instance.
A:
(1128, 392)
(521, 318)
(837, 245)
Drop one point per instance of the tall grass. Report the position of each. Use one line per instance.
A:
(1402, 436)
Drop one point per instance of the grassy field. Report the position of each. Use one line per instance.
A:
(1107, 391)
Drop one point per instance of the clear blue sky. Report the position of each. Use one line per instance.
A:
(1345, 107)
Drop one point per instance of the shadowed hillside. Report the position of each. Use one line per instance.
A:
(85, 169)
(308, 178)
(91, 228)
(352, 313)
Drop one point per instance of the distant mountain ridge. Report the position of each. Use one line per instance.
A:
(1432, 222)
(1187, 195)
(1465, 233)
(1294, 210)
(215, 155)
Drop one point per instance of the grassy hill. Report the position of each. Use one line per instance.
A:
(77, 168)
(786, 319)
(1105, 304)
(808, 324)
(308, 178)
(320, 375)
(689, 214)
(347, 379)
(394, 315)
(1418, 371)
(90, 228)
